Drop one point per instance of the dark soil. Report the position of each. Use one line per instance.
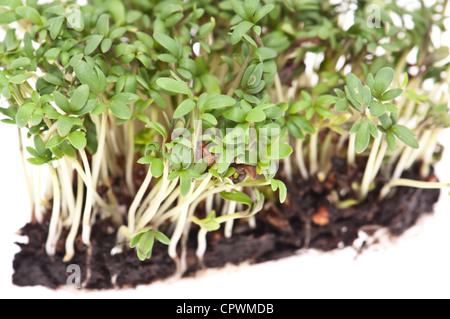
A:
(307, 220)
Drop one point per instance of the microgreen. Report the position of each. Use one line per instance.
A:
(209, 97)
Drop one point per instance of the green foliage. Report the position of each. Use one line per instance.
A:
(145, 240)
(214, 94)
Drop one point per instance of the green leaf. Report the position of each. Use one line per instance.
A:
(325, 100)
(75, 19)
(262, 12)
(373, 129)
(8, 17)
(24, 114)
(383, 80)
(209, 118)
(146, 242)
(163, 239)
(355, 88)
(11, 3)
(53, 79)
(103, 25)
(167, 42)
(64, 125)
(255, 115)
(238, 7)
(56, 26)
(239, 31)
(391, 94)
(362, 137)
(184, 108)
(53, 54)
(157, 167)
(185, 183)
(125, 98)
(279, 151)
(3, 80)
(29, 13)
(325, 112)
(265, 53)
(159, 128)
(120, 110)
(79, 98)
(377, 109)
(135, 240)
(87, 75)
(218, 101)
(342, 105)
(173, 86)
(18, 79)
(20, 63)
(93, 44)
(235, 114)
(61, 101)
(300, 106)
(279, 185)
(405, 135)
(295, 130)
(239, 197)
(209, 223)
(55, 141)
(302, 123)
(390, 139)
(78, 140)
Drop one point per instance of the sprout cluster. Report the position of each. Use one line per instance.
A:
(207, 97)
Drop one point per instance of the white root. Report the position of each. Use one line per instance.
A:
(183, 210)
(54, 228)
(137, 201)
(86, 233)
(70, 241)
(369, 173)
(300, 159)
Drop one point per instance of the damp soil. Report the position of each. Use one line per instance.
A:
(308, 219)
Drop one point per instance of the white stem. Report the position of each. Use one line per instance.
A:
(230, 211)
(399, 169)
(288, 168)
(130, 158)
(351, 153)
(67, 190)
(209, 206)
(417, 184)
(37, 197)
(137, 200)
(252, 222)
(428, 154)
(98, 158)
(153, 208)
(202, 244)
(70, 241)
(380, 158)
(86, 233)
(53, 231)
(163, 210)
(369, 173)
(149, 198)
(313, 164)
(184, 209)
(423, 143)
(29, 182)
(300, 159)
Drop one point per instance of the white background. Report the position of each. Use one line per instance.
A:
(416, 265)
